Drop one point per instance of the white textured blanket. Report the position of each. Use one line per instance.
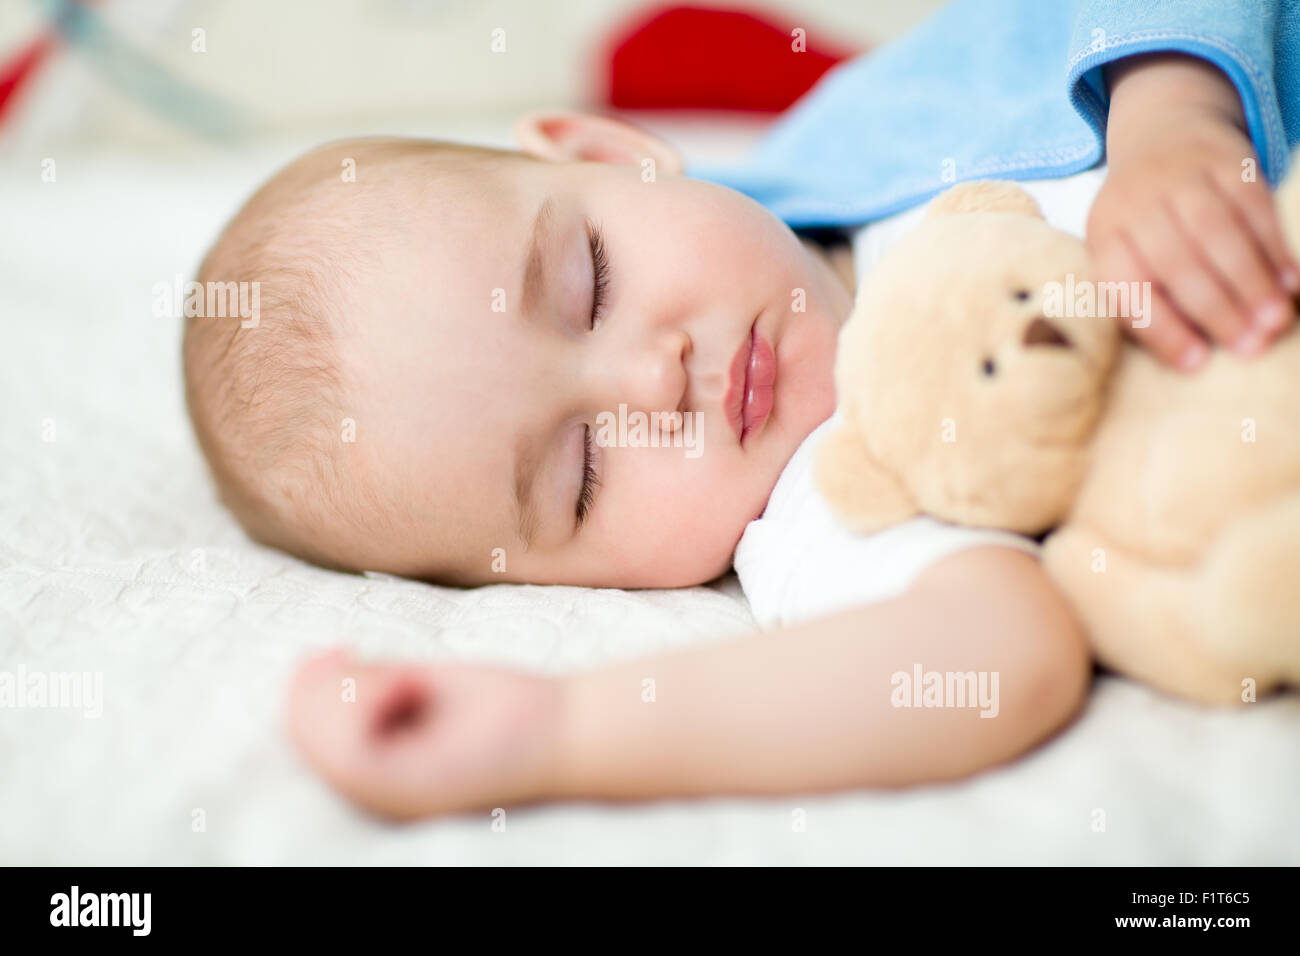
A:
(114, 558)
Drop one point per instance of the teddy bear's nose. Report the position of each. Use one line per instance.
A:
(1042, 332)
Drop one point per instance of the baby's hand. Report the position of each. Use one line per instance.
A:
(1185, 208)
(406, 740)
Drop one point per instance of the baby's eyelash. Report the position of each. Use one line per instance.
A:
(600, 270)
(590, 480)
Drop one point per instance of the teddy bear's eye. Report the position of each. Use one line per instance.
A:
(989, 368)
(1022, 295)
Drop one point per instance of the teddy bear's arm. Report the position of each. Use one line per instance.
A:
(864, 494)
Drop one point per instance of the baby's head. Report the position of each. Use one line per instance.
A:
(426, 392)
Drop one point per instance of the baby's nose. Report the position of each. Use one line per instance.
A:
(652, 378)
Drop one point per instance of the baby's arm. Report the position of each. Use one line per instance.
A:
(805, 708)
(809, 708)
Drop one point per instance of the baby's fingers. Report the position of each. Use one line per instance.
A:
(1258, 208)
(1239, 255)
(1164, 332)
(1194, 286)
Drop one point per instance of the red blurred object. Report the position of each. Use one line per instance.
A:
(17, 71)
(681, 57)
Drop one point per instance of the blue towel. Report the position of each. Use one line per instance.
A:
(1008, 89)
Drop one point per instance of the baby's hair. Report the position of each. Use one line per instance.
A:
(268, 398)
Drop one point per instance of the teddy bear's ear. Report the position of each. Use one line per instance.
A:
(985, 195)
(862, 492)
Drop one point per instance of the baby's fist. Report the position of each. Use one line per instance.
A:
(407, 740)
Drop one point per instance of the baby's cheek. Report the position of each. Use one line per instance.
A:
(672, 529)
(713, 520)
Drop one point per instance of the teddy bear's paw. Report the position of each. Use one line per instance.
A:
(863, 494)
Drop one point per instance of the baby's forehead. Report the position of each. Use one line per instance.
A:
(447, 254)
(383, 191)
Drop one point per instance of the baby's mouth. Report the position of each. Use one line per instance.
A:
(750, 385)
(760, 385)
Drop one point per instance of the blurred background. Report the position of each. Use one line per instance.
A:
(190, 74)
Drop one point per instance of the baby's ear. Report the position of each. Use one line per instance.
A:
(863, 493)
(984, 195)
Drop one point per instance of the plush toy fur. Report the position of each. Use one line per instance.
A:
(1176, 498)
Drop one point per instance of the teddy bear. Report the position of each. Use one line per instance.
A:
(982, 378)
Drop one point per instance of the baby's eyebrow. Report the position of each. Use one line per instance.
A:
(526, 464)
(534, 273)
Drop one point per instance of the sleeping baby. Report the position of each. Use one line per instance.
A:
(476, 366)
